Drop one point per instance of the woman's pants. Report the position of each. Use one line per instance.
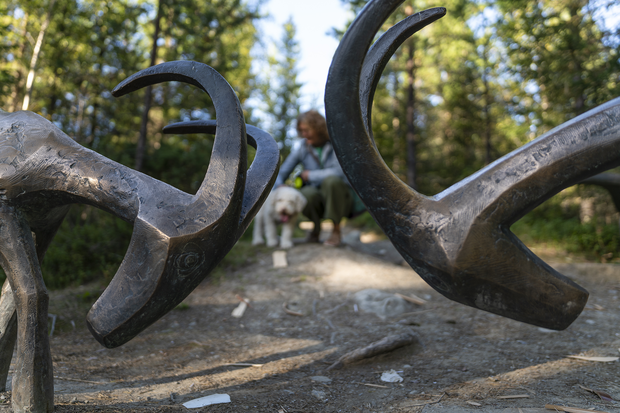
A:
(332, 200)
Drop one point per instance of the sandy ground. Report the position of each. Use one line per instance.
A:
(462, 360)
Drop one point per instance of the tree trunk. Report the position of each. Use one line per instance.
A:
(399, 144)
(20, 69)
(35, 56)
(488, 125)
(141, 147)
(411, 133)
(575, 23)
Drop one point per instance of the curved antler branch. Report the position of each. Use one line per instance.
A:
(459, 241)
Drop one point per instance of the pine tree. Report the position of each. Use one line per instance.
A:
(281, 89)
(560, 56)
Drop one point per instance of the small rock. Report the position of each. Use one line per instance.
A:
(319, 395)
(380, 303)
(391, 376)
(321, 379)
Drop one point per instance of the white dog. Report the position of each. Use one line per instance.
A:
(281, 207)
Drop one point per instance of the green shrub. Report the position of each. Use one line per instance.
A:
(557, 222)
(89, 245)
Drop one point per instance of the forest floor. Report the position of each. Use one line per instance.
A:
(462, 360)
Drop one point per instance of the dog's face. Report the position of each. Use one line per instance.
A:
(288, 203)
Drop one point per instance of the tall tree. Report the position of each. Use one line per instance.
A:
(281, 89)
(35, 55)
(140, 148)
(410, 66)
(559, 53)
(220, 33)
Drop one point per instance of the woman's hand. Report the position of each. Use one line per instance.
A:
(304, 175)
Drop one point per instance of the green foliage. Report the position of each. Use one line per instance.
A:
(365, 223)
(180, 161)
(89, 245)
(280, 90)
(557, 222)
(562, 55)
(241, 255)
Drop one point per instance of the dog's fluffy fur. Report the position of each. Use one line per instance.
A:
(281, 207)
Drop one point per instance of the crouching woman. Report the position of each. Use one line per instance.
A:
(323, 183)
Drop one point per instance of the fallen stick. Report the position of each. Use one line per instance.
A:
(384, 345)
(242, 365)
(291, 312)
(604, 396)
(372, 385)
(515, 396)
(570, 409)
(412, 298)
(243, 300)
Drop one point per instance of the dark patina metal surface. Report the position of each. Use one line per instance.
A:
(178, 238)
(610, 182)
(459, 241)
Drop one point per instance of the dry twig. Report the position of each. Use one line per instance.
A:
(384, 345)
(242, 365)
(595, 358)
(411, 298)
(570, 409)
(516, 396)
(243, 300)
(287, 311)
(371, 385)
(604, 396)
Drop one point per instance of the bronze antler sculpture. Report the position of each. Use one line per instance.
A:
(459, 241)
(177, 239)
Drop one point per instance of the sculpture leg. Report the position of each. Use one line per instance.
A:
(8, 331)
(33, 381)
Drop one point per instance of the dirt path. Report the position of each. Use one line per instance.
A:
(464, 360)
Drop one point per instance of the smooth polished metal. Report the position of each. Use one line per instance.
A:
(459, 241)
(178, 238)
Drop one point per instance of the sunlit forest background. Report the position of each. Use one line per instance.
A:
(482, 81)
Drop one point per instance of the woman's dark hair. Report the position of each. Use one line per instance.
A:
(314, 120)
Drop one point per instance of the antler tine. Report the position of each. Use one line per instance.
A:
(381, 52)
(262, 173)
(175, 245)
(215, 191)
